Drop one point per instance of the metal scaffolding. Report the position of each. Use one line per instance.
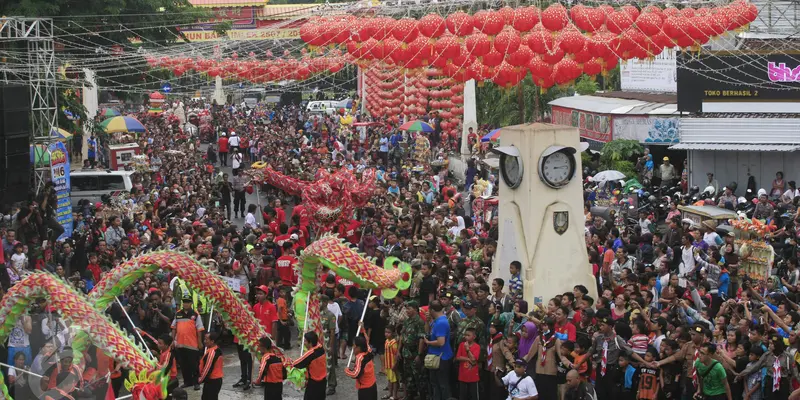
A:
(40, 75)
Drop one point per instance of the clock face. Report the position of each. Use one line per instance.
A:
(557, 169)
(511, 168)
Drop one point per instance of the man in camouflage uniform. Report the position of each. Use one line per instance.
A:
(453, 316)
(411, 341)
(471, 321)
(328, 321)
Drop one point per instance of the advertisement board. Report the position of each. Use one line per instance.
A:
(740, 77)
(652, 75)
(648, 130)
(59, 172)
(243, 34)
(591, 126)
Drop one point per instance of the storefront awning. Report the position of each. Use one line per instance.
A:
(736, 147)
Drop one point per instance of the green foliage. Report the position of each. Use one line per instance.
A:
(524, 103)
(586, 85)
(618, 155)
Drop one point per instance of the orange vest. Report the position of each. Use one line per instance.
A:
(163, 359)
(363, 371)
(315, 362)
(272, 369)
(211, 364)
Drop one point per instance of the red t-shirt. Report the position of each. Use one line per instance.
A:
(567, 328)
(351, 232)
(266, 313)
(302, 236)
(223, 144)
(285, 267)
(280, 239)
(302, 212)
(467, 372)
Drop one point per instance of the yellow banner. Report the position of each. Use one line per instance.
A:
(244, 34)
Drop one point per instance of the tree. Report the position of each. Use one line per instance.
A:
(524, 103)
(585, 85)
(619, 154)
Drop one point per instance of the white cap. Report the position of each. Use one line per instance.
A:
(294, 237)
(222, 134)
(762, 192)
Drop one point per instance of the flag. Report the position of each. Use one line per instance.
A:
(110, 391)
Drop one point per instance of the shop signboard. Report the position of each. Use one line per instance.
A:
(59, 172)
(737, 78)
(592, 126)
(658, 74)
(648, 129)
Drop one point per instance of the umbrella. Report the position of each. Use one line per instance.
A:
(109, 113)
(122, 124)
(493, 136)
(60, 133)
(609, 175)
(416, 126)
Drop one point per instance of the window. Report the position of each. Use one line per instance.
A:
(112, 182)
(84, 183)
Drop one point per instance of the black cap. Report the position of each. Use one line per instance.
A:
(468, 304)
(187, 299)
(605, 320)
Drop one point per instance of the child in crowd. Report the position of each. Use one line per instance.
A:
(648, 377)
(639, 340)
(390, 362)
(468, 369)
(752, 389)
(627, 380)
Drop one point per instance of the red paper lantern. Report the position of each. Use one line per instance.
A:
(431, 26)
(632, 11)
(507, 41)
(405, 30)
(310, 34)
(447, 47)
(676, 27)
(588, 19)
(553, 56)
(649, 23)
(592, 67)
(478, 71)
(539, 68)
(671, 12)
(525, 18)
(383, 27)
(521, 57)
(618, 21)
(492, 58)
(554, 17)
(540, 40)
(489, 22)
(687, 12)
(571, 40)
(602, 43)
(507, 13)
(582, 56)
(654, 10)
(459, 23)
(699, 29)
(478, 44)
(566, 70)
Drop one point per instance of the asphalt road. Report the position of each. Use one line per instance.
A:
(345, 388)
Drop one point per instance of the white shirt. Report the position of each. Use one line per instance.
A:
(334, 308)
(525, 388)
(250, 219)
(233, 140)
(18, 337)
(711, 238)
(236, 160)
(657, 342)
(687, 264)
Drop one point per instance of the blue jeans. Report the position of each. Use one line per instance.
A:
(440, 380)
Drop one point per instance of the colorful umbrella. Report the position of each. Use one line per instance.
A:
(493, 136)
(60, 133)
(122, 124)
(416, 126)
(109, 113)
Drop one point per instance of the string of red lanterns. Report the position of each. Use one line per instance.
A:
(253, 69)
(556, 45)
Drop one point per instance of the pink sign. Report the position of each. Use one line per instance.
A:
(782, 73)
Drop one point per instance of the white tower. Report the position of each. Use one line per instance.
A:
(541, 210)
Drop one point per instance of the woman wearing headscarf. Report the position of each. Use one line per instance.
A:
(516, 318)
(528, 335)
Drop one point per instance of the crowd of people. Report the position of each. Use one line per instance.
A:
(669, 321)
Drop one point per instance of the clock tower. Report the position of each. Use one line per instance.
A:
(541, 221)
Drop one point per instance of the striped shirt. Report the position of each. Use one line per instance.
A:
(391, 354)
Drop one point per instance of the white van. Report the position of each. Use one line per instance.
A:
(321, 107)
(94, 183)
